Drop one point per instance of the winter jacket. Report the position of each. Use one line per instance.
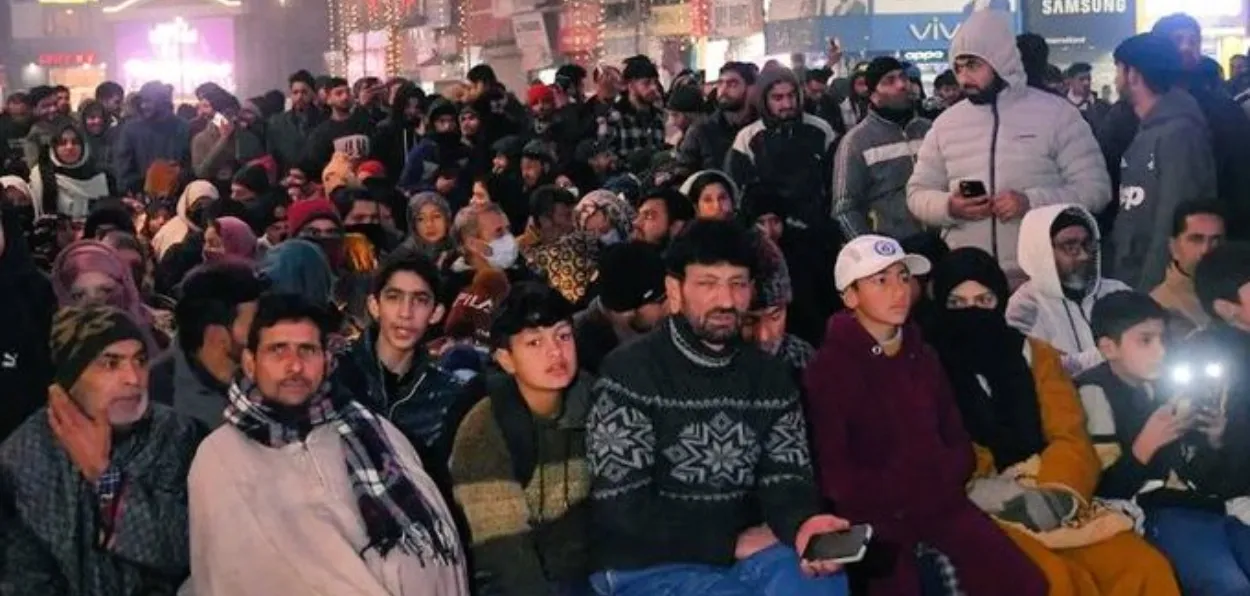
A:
(419, 404)
(1094, 110)
(52, 531)
(27, 303)
(39, 136)
(870, 172)
(208, 158)
(706, 144)
(1168, 164)
(392, 142)
(427, 157)
(319, 147)
(179, 382)
(789, 157)
(904, 456)
(1027, 140)
(176, 229)
(306, 536)
(286, 136)
(142, 142)
(1040, 309)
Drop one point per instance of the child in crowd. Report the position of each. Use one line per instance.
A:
(889, 445)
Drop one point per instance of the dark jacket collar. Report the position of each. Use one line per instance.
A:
(518, 425)
(693, 348)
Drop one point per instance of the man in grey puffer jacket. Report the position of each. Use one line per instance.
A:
(1029, 148)
(1169, 162)
(875, 159)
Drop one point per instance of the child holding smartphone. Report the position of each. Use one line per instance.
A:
(1159, 430)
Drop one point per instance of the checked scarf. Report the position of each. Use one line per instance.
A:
(394, 511)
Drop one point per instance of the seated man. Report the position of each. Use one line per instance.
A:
(630, 302)
(1060, 251)
(1197, 227)
(93, 488)
(518, 463)
(701, 479)
(1163, 447)
(891, 444)
(304, 489)
(662, 213)
(1037, 469)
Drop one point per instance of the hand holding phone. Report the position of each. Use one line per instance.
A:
(973, 189)
(848, 546)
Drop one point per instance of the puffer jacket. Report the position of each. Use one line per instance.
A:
(707, 143)
(790, 157)
(1040, 309)
(870, 172)
(1029, 141)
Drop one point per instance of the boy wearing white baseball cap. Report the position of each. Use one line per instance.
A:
(888, 438)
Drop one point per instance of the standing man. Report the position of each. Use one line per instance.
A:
(287, 133)
(1017, 147)
(637, 121)
(346, 127)
(1080, 92)
(156, 136)
(707, 143)
(346, 506)
(94, 486)
(786, 150)
(875, 160)
(671, 509)
(1169, 162)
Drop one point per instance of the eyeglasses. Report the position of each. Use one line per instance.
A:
(1074, 248)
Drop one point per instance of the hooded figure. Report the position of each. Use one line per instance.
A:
(1036, 465)
(67, 187)
(1009, 137)
(425, 210)
(27, 301)
(298, 266)
(401, 131)
(787, 150)
(439, 150)
(1056, 308)
(605, 216)
(176, 229)
(156, 135)
(90, 257)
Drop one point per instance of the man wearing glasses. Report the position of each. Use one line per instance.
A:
(1059, 250)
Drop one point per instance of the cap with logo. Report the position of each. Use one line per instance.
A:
(869, 255)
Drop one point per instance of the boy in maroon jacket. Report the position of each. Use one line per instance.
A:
(889, 446)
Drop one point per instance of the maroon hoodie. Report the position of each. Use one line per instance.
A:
(887, 436)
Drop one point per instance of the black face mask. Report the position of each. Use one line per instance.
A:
(983, 332)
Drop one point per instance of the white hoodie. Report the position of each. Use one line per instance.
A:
(1029, 141)
(1040, 309)
(175, 230)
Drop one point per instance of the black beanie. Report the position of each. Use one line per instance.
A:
(878, 68)
(639, 67)
(253, 178)
(686, 99)
(630, 276)
(1069, 218)
(81, 334)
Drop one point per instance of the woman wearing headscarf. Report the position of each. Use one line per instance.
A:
(66, 179)
(27, 303)
(91, 272)
(176, 229)
(229, 237)
(429, 228)
(604, 215)
(297, 266)
(18, 201)
(1036, 465)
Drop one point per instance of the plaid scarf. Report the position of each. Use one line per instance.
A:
(394, 511)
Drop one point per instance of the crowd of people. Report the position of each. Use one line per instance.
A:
(609, 338)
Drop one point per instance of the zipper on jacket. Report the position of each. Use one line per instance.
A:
(390, 415)
(994, 177)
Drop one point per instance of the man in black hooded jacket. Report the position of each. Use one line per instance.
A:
(400, 131)
(27, 301)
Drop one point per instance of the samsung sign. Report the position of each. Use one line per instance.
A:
(1078, 7)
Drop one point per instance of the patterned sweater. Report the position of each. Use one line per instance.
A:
(689, 447)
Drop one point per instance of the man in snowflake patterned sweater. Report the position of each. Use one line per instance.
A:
(701, 479)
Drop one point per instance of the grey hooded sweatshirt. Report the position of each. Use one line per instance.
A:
(1168, 163)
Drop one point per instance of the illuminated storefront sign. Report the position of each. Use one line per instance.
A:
(182, 53)
(62, 59)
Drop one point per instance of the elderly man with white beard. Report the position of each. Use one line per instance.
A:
(93, 497)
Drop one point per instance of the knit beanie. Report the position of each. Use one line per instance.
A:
(686, 99)
(81, 334)
(474, 307)
(1069, 218)
(878, 68)
(1152, 55)
(639, 67)
(539, 93)
(301, 213)
(772, 278)
(39, 93)
(631, 275)
(253, 178)
(161, 179)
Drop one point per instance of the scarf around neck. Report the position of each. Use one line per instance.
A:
(394, 510)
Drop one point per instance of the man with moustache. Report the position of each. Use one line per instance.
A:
(875, 159)
(700, 473)
(637, 121)
(707, 143)
(93, 488)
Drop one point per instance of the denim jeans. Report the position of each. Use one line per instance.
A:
(773, 571)
(1209, 551)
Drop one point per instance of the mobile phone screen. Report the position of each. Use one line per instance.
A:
(843, 547)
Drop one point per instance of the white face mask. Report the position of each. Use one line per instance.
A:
(612, 237)
(576, 192)
(503, 252)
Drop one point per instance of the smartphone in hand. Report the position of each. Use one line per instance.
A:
(848, 546)
(971, 189)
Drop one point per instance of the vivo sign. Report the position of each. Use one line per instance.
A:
(933, 30)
